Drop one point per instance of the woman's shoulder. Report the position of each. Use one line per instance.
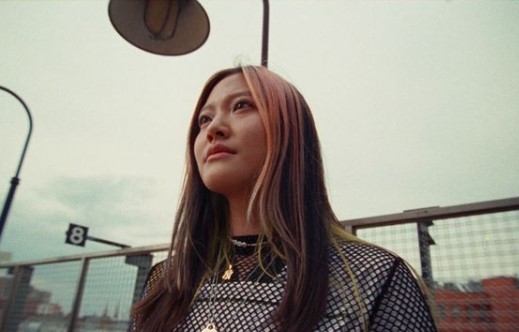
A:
(363, 260)
(359, 271)
(356, 252)
(158, 270)
(156, 276)
(367, 278)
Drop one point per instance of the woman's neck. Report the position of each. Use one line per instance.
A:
(238, 223)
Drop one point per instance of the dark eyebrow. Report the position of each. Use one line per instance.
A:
(231, 96)
(239, 94)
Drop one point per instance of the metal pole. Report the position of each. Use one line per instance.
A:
(76, 305)
(265, 36)
(424, 242)
(15, 180)
(143, 264)
(111, 243)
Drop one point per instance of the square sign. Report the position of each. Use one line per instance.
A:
(76, 235)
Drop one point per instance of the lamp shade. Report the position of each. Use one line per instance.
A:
(166, 27)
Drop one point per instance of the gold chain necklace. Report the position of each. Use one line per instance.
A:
(230, 270)
(211, 325)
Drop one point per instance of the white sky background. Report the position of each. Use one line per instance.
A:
(416, 102)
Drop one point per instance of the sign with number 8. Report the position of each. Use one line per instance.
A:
(76, 235)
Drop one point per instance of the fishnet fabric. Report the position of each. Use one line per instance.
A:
(383, 294)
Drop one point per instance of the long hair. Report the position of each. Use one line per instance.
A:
(289, 200)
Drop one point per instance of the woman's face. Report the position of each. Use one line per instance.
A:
(231, 145)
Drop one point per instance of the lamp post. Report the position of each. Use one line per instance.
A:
(15, 180)
(265, 34)
(170, 27)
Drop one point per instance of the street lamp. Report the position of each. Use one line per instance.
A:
(169, 27)
(15, 180)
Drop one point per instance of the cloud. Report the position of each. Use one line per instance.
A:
(130, 210)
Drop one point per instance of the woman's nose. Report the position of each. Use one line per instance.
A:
(218, 128)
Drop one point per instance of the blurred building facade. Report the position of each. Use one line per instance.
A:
(489, 305)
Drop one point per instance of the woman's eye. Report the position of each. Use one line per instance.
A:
(243, 104)
(203, 119)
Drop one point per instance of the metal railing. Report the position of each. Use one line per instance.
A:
(467, 254)
(90, 292)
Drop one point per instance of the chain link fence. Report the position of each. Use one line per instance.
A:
(468, 256)
(78, 293)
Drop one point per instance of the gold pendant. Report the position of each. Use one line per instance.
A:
(210, 328)
(228, 273)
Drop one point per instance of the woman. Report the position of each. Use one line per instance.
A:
(256, 245)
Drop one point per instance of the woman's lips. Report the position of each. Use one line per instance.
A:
(218, 155)
(218, 151)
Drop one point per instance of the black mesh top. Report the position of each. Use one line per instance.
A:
(392, 298)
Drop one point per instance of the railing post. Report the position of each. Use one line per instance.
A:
(349, 229)
(424, 242)
(14, 309)
(76, 305)
(143, 263)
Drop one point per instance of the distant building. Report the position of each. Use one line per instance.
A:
(489, 306)
(35, 298)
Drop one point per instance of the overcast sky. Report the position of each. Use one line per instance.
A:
(416, 102)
